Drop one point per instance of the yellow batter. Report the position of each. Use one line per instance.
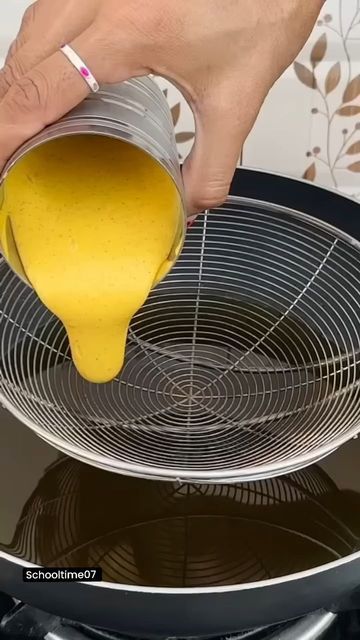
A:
(95, 221)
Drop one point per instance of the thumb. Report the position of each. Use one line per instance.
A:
(222, 126)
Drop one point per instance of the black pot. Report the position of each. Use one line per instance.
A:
(181, 560)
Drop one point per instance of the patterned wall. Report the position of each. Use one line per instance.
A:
(310, 123)
(330, 71)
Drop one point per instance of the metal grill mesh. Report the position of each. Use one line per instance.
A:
(243, 363)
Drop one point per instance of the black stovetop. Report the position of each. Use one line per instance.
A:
(20, 622)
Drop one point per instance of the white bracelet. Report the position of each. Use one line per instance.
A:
(81, 67)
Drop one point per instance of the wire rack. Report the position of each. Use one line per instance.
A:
(190, 535)
(242, 364)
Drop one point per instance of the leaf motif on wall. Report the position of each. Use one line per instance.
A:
(175, 112)
(353, 149)
(351, 110)
(333, 78)
(352, 91)
(305, 75)
(184, 136)
(310, 173)
(319, 50)
(354, 167)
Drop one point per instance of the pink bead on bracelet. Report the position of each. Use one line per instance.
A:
(81, 67)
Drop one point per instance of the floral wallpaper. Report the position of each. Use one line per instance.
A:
(336, 88)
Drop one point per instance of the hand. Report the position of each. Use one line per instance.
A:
(223, 55)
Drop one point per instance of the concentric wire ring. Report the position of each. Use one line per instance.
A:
(243, 363)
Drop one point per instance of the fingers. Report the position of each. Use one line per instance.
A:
(20, 63)
(9, 72)
(40, 97)
(24, 31)
(54, 87)
(40, 36)
(222, 126)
